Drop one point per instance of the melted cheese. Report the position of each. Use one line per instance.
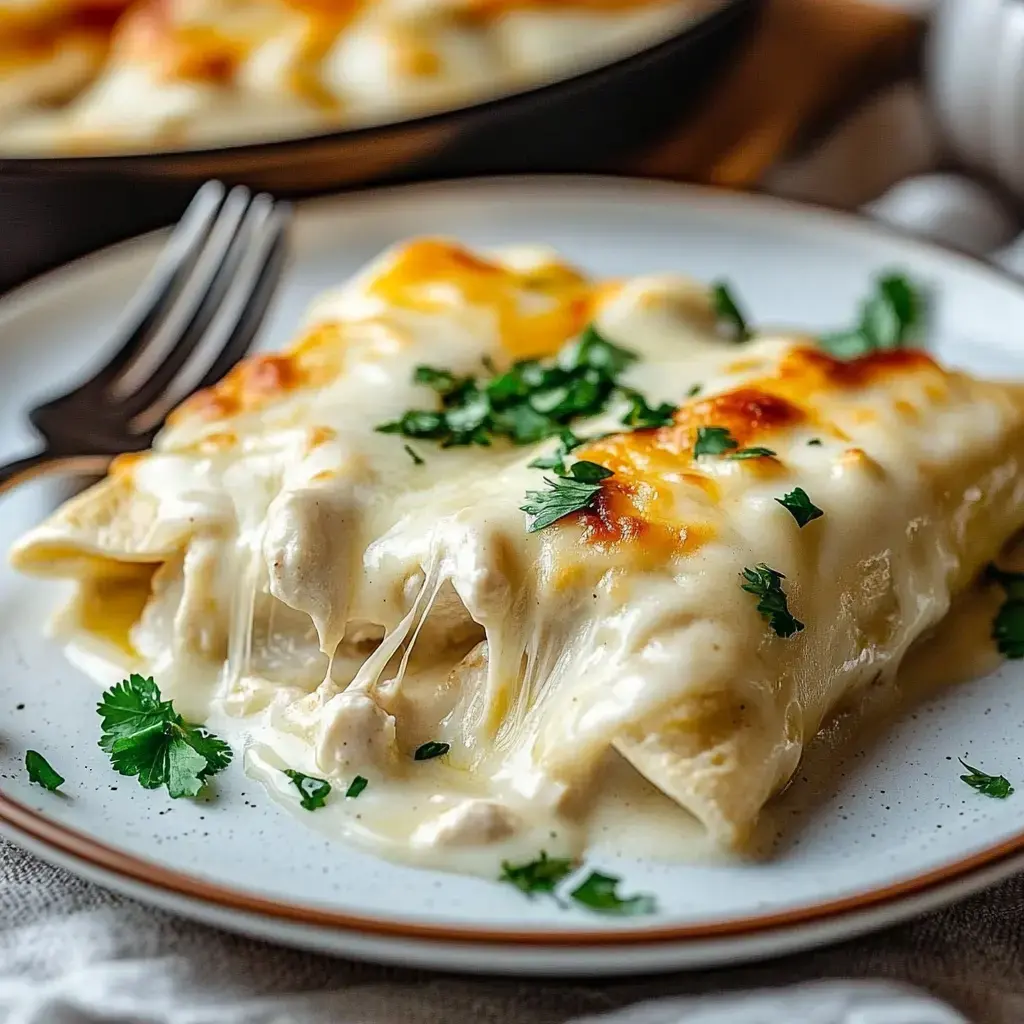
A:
(292, 576)
(173, 73)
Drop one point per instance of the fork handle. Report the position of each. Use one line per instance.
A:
(45, 463)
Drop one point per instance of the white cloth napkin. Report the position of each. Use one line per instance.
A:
(73, 953)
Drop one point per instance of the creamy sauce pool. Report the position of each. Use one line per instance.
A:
(622, 814)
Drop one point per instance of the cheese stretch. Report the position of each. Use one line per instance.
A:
(285, 570)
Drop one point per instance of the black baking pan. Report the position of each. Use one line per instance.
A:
(55, 208)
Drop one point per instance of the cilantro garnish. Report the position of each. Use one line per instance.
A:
(751, 453)
(573, 491)
(598, 892)
(417, 460)
(145, 737)
(766, 584)
(991, 785)
(1008, 625)
(641, 415)
(41, 771)
(527, 403)
(730, 316)
(356, 786)
(800, 506)
(428, 751)
(541, 875)
(891, 317)
(713, 441)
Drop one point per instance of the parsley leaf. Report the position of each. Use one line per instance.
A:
(800, 506)
(146, 738)
(991, 785)
(598, 892)
(641, 415)
(356, 786)
(766, 584)
(1008, 625)
(444, 382)
(416, 423)
(568, 442)
(313, 792)
(428, 751)
(570, 493)
(527, 403)
(595, 351)
(751, 453)
(730, 316)
(541, 875)
(41, 771)
(412, 455)
(892, 316)
(713, 441)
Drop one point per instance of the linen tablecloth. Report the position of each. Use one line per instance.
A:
(73, 953)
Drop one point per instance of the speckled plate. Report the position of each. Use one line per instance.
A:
(871, 832)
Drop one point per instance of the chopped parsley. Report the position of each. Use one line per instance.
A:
(412, 455)
(527, 403)
(695, 389)
(541, 875)
(1008, 625)
(428, 751)
(568, 442)
(444, 382)
(815, 442)
(766, 584)
(728, 311)
(643, 416)
(312, 792)
(800, 506)
(598, 892)
(991, 785)
(751, 453)
(356, 786)
(41, 771)
(574, 491)
(892, 316)
(713, 441)
(145, 737)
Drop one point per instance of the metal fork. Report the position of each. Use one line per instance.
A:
(193, 318)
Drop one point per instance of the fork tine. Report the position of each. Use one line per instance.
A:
(195, 307)
(149, 305)
(242, 311)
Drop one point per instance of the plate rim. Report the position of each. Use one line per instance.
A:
(70, 844)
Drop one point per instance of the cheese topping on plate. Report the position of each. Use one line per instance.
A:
(517, 547)
(88, 76)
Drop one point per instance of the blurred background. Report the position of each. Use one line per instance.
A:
(112, 111)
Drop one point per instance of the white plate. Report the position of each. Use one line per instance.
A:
(889, 829)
